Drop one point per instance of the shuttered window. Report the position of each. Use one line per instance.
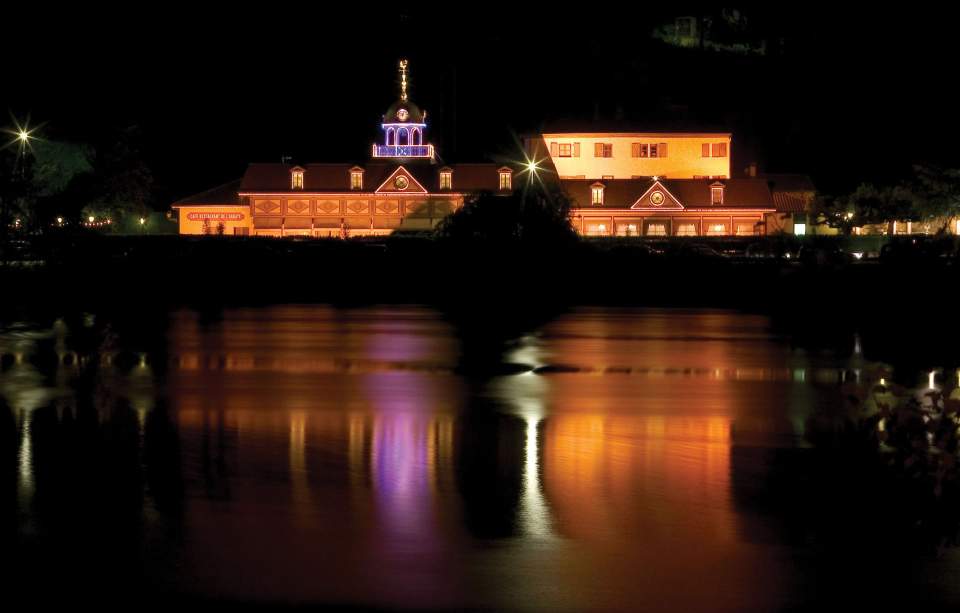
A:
(716, 195)
(720, 150)
(635, 149)
(663, 150)
(554, 149)
(576, 150)
(705, 150)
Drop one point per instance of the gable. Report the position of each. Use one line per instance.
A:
(657, 198)
(401, 181)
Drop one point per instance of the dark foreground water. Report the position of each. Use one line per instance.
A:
(607, 459)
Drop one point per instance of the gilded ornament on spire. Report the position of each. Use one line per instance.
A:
(403, 80)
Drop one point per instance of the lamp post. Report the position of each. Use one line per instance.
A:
(22, 136)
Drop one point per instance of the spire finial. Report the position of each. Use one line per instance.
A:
(403, 80)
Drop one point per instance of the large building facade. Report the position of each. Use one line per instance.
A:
(647, 183)
(403, 186)
(621, 183)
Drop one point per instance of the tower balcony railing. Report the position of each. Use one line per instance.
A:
(402, 151)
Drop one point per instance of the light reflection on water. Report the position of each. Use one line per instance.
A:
(311, 454)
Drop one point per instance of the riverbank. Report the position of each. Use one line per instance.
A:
(194, 270)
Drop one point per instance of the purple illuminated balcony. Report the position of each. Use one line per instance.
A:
(402, 151)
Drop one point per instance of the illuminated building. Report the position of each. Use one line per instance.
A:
(643, 183)
(405, 185)
(622, 183)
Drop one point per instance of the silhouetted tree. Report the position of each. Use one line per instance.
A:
(527, 217)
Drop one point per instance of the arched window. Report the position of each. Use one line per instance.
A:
(356, 178)
(506, 176)
(596, 194)
(296, 178)
(416, 136)
(390, 136)
(403, 137)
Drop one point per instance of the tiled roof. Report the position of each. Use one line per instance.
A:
(336, 177)
(788, 203)
(690, 193)
(222, 194)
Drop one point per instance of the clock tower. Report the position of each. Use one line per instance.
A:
(403, 125)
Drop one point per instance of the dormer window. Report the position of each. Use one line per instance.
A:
(356, 178)
(596, 194)
(716, 194)
(506, 179)
(296, 178)
(446, 179)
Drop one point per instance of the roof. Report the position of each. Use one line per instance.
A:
(789, 203)
(414, 114)
(226, 194)
(690, 193)
(275, 177)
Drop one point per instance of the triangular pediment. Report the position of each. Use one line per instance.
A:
(401, 181)
(657, 198)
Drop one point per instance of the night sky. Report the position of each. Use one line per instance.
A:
(844, 97)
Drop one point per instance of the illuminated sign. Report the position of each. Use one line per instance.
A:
(215, 216)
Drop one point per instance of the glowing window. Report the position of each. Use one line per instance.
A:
(657, 229)
(505, 180)
(800, 229)
(603, 150)
(687, 229)
(628, 229)
(356, 179)
(565, 150)
(716, 195)
(744, 229)
(446, 180)
(596, 194)
(296, 179)
(717, 229)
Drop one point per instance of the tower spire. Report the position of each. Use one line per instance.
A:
(403, 80)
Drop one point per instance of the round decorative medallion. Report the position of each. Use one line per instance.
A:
(656, 198)
(402, 114)
(401, 182)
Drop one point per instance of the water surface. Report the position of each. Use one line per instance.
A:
(606, 459)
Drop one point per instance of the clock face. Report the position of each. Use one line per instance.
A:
(401, 182)
(402, 114)
(656, 198)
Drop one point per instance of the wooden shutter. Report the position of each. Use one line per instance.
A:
(554, 149)
(662, 150)
(705, 150)
(635, 150)
(723, 150)
(576, 150)
(598, 150)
